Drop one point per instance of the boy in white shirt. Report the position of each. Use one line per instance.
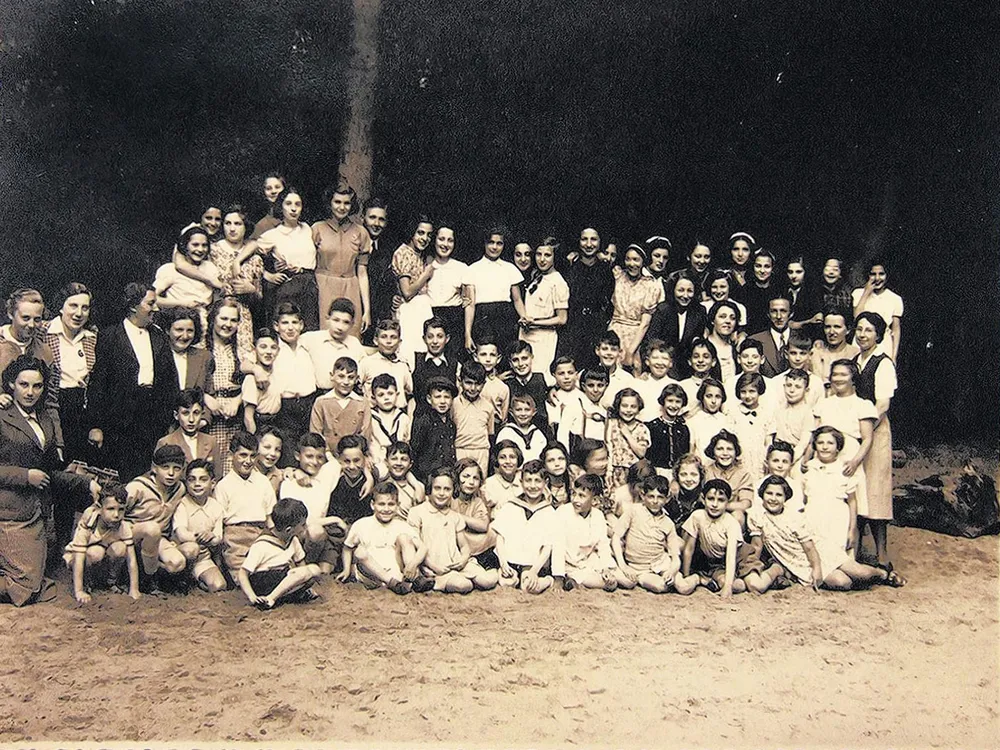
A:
(275, 567)
(581, 552)
(247, 498)
(524, 528)
(326, 347)
(198, 526)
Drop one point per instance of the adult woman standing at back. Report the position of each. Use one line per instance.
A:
(637, 294)
(342, 250)
(413, 270)
(543, 310)
(291, 245)
(29, 477)
(492, 279)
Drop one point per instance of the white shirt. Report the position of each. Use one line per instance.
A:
(445, 286)
(293, 374)
(618, 381)
(181, 363)
(292, 245)
(143, 348)
(245, 500)
(580, 542)
(493, 280)
(8, 335)
(316, 497)
(32, 421)
(650, 389)
(887, 305)
(325, 351)
(73, 372)
(780, 338)
(171, 284)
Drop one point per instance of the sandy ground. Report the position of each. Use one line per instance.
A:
(914, 666)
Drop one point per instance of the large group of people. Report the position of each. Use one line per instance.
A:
(285, 401)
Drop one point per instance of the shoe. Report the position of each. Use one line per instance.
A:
(399, 587)
(304, 596)
(892, 578)
(781, 582)
(610, 585)
(713, 586)
(568, 584)
(423, 584)
(149, 585)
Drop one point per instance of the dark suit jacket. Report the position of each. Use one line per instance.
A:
(206, 446)
(773, 362)
(197, 371)
(20, 451)
(663, 325)
(111, 402)
(39, 350)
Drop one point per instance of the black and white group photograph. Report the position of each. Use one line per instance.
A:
(499, 374)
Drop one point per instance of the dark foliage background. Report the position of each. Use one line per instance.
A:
(866, 129)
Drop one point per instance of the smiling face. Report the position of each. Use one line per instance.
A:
(435, 340)
(725, 453)
(763, 267)
(197, 247)
(212, 220)
(344, 381)
(352, 461)
(590, 242)
(440, 400)
(226, 322)
(270, 451)
(701, 360)
(597, 462)
(144, 310)
(340, 206)
(608, 354)
(471, 388)
(826, 448)
(878, 277)
(718, 290)
(533, 486)
(521, 363)
(865, 335)
(831, 271)
(672, 406)
(629, 408)
(750, 360)
(244, 460)
(834, 330)
(384, 507)
(594, 388)
(659, 363)
(442, 491)
(688, 476)
(633, 263)
(444, 243)
(310, 459)
(198, 483)
(724, 322)
(422, 236)
(773, 499)
(27, 389)
(399, 464)
(26, 319)
(700, 258)
(272, 188)
(494, 246)
(683, 293)
(266, 350)
(523, 257)
(779, 463)
(750, 396)
(523, 413)
(507, 463)
(75, 313)
(715, 503)
(375, 220)
(288, 328)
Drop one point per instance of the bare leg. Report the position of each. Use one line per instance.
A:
(453, 582)
(862, 574)
(758, 583)
(486, 579)
(297, 578)
(147, 539)
(838, 580)
(653, 582)
(624, 582)
(880, 531)
(588, 579)
(686, 584)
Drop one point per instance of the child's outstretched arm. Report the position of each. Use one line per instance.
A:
(79, 563)
(499, 550)
(243, 578)
(346, 561)
(852, 526)
(621, 526)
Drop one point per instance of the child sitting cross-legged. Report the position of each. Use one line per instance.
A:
(449, 560)
(798, 553)
(384, 550)
(275, 566)
(198, 526)
(645, 542)
(714, 553)
(524, 528)
(102, 545)
(581, 553)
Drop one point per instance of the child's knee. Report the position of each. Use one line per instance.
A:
(653, 582)
(685, 585)
(488, 579)
(190, 550)
(146, 532)
(172, 560)
(404, 544)
(117, 550)
(94, 554)
(315, 533)
(213, 581)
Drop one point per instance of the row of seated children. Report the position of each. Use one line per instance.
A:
(209, 529)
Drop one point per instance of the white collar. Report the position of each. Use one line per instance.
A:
(56, 327)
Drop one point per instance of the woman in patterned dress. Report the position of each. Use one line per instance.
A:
(635, 297)
(240, 270)
(222, 383)
(413, 270)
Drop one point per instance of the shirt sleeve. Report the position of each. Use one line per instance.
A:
(249, 390)
(560, 294)
(753, 522)
(885, 380)
(181, 518)
(354, 535)
(691, 525)
(253, 558)
(298, 554)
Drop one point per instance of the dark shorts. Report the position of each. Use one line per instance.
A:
(519, 569)
(747, 561)
(266, 581)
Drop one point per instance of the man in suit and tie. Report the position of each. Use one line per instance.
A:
(130, 386)
(679, 321)
(381, 281)
(775, 339)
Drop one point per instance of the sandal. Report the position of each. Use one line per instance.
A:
(713, 586)
(892, 578)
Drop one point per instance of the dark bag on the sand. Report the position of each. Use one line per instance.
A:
(959, 505)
